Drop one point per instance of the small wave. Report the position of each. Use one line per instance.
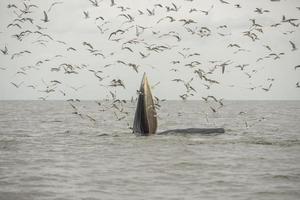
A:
(103, 134)
(283, 143)
(52, 121)
(287, 177)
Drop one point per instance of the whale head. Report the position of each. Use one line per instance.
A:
(145, 119)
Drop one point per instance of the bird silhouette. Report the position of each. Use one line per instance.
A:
(86, 14)
(45, 19)
(53, 4)
(4, 51)
(17, 85)
(294, 48)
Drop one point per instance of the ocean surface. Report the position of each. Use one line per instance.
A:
(46, 152)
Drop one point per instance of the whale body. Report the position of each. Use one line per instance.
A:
(145, 120)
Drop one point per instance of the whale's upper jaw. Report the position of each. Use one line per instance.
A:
(145, 120)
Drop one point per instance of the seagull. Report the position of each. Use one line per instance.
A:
(294, 48)
(140, 12)
(90, 118)
(48, 90)
(112, 3)
(46, 19)
(17, 25)
(167, 17)
(4, 51)
(184, 96)
(174, 8)
(268, 47)
(116, 83)
(100, 17)
(134, 66)
(62, 92)
(43, 98)
(150, 13)
(53, 4)
(127, 16)
(12, 6)
(234, 45)
(212, 97)
(177, 80)
(268, 89)
(55, 82)
(242, 66)
(71, 48)
(119, 118)
(123, 9)
(21, 72)
(87, 44)
(173, 69)
(144, 55)
(213, 109)
(94, 3)
(206, 12)
(128, 48)
(17, 85)
(187, 21)
(298, 66)
(174, 62)
(115, 33)
(222, 1)
(260, 10)
(158, 5)
(31, 86)
(86, 14)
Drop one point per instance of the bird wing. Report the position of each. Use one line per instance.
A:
(113, 33)
(45, 16)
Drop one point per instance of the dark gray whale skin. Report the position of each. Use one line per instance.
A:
(194, 131)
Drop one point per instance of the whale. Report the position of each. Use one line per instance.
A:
(145, 118)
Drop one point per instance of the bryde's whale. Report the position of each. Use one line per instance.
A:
(145, 119)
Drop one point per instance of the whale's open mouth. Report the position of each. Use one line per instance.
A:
(145, 120)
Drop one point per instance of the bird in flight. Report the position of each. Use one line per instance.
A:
(294, 48)
(94, 3)
(86, 14)
(225, 2)
(4, 51)
(53, 4)
(17, 85)
(112, 2)
(46, 19)
(268, 88)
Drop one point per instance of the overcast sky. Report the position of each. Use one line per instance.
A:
(269, 60)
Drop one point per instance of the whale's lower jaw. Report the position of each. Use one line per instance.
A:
(194, 131)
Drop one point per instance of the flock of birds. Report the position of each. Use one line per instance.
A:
(139, 42)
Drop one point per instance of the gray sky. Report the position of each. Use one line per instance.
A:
(68, 27)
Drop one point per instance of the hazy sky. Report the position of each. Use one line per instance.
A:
(209, 35)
